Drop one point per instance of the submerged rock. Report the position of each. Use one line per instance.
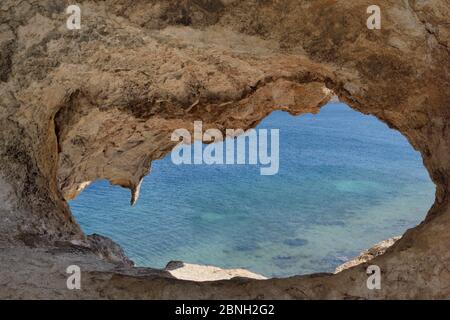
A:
(298, 242)
(247, 247)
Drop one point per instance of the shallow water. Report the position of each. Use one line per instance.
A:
(346, 181)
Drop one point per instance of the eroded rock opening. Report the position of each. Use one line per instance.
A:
(149, 67)
(346, 182)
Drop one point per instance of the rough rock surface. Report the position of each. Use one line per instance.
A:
(367, 255)
(101, 103)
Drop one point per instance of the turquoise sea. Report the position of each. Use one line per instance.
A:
(346, 181)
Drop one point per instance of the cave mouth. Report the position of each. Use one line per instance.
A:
(346, 181)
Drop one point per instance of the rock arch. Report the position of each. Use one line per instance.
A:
(101, 102)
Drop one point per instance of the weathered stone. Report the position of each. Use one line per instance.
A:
(195, 272)
(101, 102)
(367, 255)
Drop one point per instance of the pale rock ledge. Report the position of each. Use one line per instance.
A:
(196, 272)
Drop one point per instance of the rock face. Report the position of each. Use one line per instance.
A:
(367, 255)
(102, 102)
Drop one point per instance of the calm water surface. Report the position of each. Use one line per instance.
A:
(346, 181)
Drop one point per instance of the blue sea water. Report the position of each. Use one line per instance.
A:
(346, 181)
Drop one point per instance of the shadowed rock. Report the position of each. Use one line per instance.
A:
(298, 242)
